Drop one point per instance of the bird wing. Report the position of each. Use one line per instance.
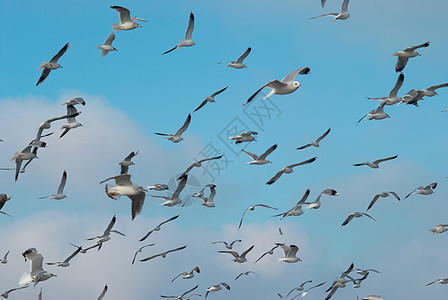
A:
(285, 248)
(43, 76)
(190, 27)
(137, 203)
(349, 218)
(247, 251)
(275, 178)
(395, 195)
(373, 201)
(401, 63)
(435, 87)
(130, 156)
(201, 106)
(308, 161)
(172, 49)
(189, 291)
(412, 48)
(225, 285)
(185, 126)
(146, 235)
(62, 184)
(36, 263)
(123, 14)
(269, 151)
(251, 155)
(323, 135)
(135, 256)
(345, 6)
(260, 257)
(180, 186)
(384, 159)
(303, 147)
(242, 57)
(367, 215)
(360, 164)
(73, 254)
(59, 54)
(111, 224)
(101, 296)
(432, 282)
(410, 194)
(398, 84)
(255, 94)
(183, 273)
(292, 251)
(177, 249)
(219, 92)
(322, 2)
(212, 158)
(432, 185)
(326, 15)
(304, 197)
(241, 221)
(151, 257)
(110, 39)
(291, 76)
(241, 274)
(169, 220)
(234, 253)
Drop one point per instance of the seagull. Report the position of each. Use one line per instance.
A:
(289, 169)
(245, 273)
(163, 254)
(125, 187)
(316, 203)
(357, 282)
(404, 55)
(228, 245)
(316, 142)
(125, 163)
(392, 98)
(238, 64)
(176, 138)
(251, 208)
(376, 114)
(6, 293)
(260, 160)
(71, 121)
(383, 195)
(343, 15)
(60, 193)
(208, 202)
(411, 96)
(427, 190)
(270, 252)
(158, 187)
(140, 250)
(305, 292)
(103, 293)
(243, 137)
(106, 234)
(376, 163)
(174, 199)
(290, 253)
(356, 215)
(126, 22)
(181, 297)
(188, 275)
(429, 92)
(200, 194)
(5, 258)
(286, 86)
(3, 199)
(86, 249)
(51, 65)
(25, 154)
(441, 228)
(66, 263)
(339, 282)
(299, 288)
(198, 164)
(215, 288)
(37, 273)
(210, 99)
(238, 258)
(157, 228)
(441, 281)
(297, 209)
(75, 101)
(107, 46)
(187, 42)
(372, 297)
(366, 271)
(46, 125)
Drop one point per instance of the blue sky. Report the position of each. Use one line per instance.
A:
(136, 91)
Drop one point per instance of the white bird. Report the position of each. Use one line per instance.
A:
(174, 199)
(157, 228)
(441, 281)
(188, 275)
(158, 187)
(375, 164)
(187, 41)
(198, 164)
(51, 65)
(3, 199)
(176, 138)
(103, 293)
(376, 114)
(423, 190)
(297, 209)
(404, 55)
(245, 273)
(46, 125)
(356, 215)
(37, 273)
(228, 245)
(299, 288)
(126, 188)
(60, 193)
(125, 163)
(75, 101)
(71, 121)
(210, 98)
(163, 254)
(25, 154)
(107, 46)
(343, 15)
(140, 250)
(181, 297)
(429, 92)
(238, 64)
(441, 228)
(290, 253)
(289, 170)
(238, 258)
(251, 208)
(260, 160)
(305, 292)
(66, 262)
(316, 142)
(6, 293)
(270, 252)
(5, 258)
(208, 201)
(126, 22)
(382, 195)
(106, 234)
(339, 282)
(392, 98)
(316, 203)
(243, 137)
(215, 288)
(286, 86)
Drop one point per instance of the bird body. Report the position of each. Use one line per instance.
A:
(126, 22)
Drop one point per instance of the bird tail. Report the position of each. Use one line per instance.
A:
(116, 27)
(109, 194)
(25, 279)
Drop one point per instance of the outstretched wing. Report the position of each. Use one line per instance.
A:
(323, 135)
(62, 184)
(184, 126)
(59, 54)
(291, 76)
(242, 57)
(190, 27)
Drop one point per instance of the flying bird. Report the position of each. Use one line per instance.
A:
(251, 208)
(316, 142)
(289, 170)
(158, 187)
(51, 65)
(163, 254)
(140, 250)
(382, 195)
(5, 258)
(260, 160)
(376, 114)
(71, 121)
(181, 297)
(208, 201)
(441, 228)
(290, 253)
(103, 293)
(245, 273)
(297, 209)
(46, 125)
(228, 245)
(75, 101)
(356, 215)
(37, 273)
(3, 199)
(176, 138)
(392, 98)
(66, 262)
(270, 252)
(343, 15)
(305, 292)
(423, 190)
(25, 154)
(420, 94)
(237, 257)
(106, 234)
(60, 193)
(157, 228)
(316, 203)
(126, 22)
(198, 164)
(238, 64)
(375, 164)
(404, 55)
(243, 137)
(187, 41)
(215, 288)
(441, 281)
(126, 162)
(107, 46)
(188, 275)
(210, 98)
(174, 199)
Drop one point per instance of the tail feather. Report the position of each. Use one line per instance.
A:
(116, 27)
(115, 197)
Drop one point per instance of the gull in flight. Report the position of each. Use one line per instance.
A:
(157, 228)
(75, 101)
(441, 281)
(376, 114)
(125, 187)
(305, 292)
(210, 99)
(6, 293)
(126, 22)
(289, 170)
(420, 94)
(251, 208)
(37, 273)
(103, 293)
(71, 121)
(215, 288)
(181, 297)
(60, 193)
(286, 86)
(3, 199)
(125, 163)
(66, 262)
(356, 215)
(5, 258)
(246, 273)
(176, 138)
(270, 252)
(107, 46)
(51, 65)
(343, 15)
(423, 190)
(238, 258)
(243, 137)
(290, 253)
(260, 160)
(441, 228)
(299, 288)
(238, 64)
(158, 187)
(376, 163)
(163, 254)
(228, 245)
(404, 55)
(198, 164)
(339, 282)
(47, 125)
(25, 154)
(382, 195)
(83, 251)
(372, 297)
(140, 250)
(106, 234)
(392, 98)
(297, 209)
(174, 199)
(366, 271)
(188, 275)
(187, 42)
(316, 142)
(316, 203)
(200, 194)
(208, 201)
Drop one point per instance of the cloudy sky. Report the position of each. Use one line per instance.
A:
(136, 91)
